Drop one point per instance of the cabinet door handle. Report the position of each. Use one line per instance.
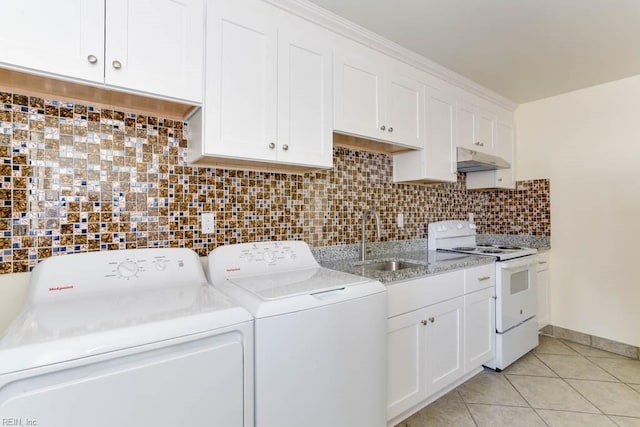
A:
(285, 147)
(482, 279)
(116, 64)
(383, 127)
(542, 262)
(495, 297)
(499, 179)
(432, 319)
(424, 322)
(92, 59)
(478, 143)
(390, 129)
(272, 145)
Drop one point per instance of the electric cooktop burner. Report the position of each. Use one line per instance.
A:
(460, 236)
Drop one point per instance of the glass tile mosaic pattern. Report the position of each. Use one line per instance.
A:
(78, 178)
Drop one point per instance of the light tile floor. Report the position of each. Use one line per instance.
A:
(559, 383)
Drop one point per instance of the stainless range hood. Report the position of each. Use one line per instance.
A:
(475, 161)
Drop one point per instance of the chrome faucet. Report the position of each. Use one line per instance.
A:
(365, 214)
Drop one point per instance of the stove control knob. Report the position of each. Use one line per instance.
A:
(268, 257)
(127, 268)
(460, 226)
(444, 228)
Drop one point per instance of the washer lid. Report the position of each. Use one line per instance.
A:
(80, 327)
(288, 284)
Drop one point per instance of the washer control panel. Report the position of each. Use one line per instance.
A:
(247, 259)
(270, 253)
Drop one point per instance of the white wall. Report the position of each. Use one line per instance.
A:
(588, 143)
(13, 294)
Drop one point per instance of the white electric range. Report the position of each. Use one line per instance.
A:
(516, 294)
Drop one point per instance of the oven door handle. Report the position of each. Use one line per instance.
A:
(518, 264)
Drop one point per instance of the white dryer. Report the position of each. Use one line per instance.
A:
(320, 335)
(127, 338)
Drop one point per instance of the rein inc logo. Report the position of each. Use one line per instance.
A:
(18, 422)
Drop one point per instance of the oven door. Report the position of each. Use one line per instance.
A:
(516, 292)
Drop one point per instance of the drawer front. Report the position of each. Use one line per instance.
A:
(411, 295)
(543, 261)
(481, 277)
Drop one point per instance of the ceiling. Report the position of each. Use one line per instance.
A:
(522, 49)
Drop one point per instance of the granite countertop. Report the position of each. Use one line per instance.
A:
(541, 243)
(347, 257)
(428, 262)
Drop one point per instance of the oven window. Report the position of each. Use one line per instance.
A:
(519, 281)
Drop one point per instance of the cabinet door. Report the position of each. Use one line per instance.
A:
(505, 138)
(437, 162)
(444, 343)
(358, 94)
(479, 328)
(467, 125)
(406, 376)
(486, 131)
(64, 38)
(240, 95)
(404, 113)
(543, 284)
(156, 46)
(439, 143)
(305, 102)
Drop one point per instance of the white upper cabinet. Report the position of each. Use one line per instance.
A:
(358, 93)
(144, 46)
(505, 149)
(241, 76)
(404, 114)
(475, 127)
(155, 46)
(305, 103)
(268, 89)
(63, 38)
(376, 97)
(437, 162)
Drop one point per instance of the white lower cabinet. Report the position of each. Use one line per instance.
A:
(542, 283)
(444, 344)
(406, 362)
(424, 353)
(479, 328)
(438, 332)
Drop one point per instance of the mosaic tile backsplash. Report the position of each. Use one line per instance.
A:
(78, 178)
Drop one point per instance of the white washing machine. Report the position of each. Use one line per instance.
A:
(320, 335)
(127, 338)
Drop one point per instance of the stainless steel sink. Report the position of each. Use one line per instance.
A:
(386, 266)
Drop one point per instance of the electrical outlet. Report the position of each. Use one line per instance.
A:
(207, 222)
(400, 220)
